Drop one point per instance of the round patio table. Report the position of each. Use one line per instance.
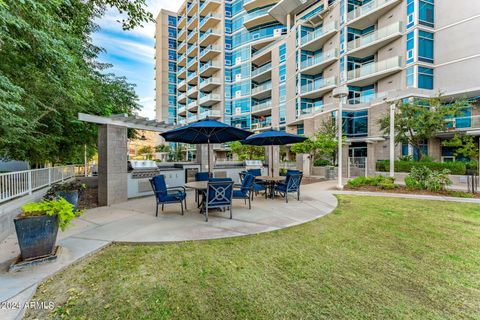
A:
(270, 181)
(199, 186)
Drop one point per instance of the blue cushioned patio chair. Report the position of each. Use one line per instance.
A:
(291, 184)
(291, 171)
(164, 195)
(255, 172)
(201, 176)
(245, 190)
(219, 195)
(257, 186)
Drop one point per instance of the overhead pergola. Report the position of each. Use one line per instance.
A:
(124, 120)
(112, 152)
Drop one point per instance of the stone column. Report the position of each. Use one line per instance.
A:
(112, 164)
(303, 163)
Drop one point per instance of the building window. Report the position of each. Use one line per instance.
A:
(426, 13)
(282, 73)
(172, 21)
(172, 55)
(410, 46)
(425, 46)
(410, 77)
(283, 53)
(300, 129)
(410, 13)
(425, 78)
(172, 32)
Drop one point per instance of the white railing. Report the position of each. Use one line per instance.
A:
(20, 183)
(319, 59)
(367, 8)
(319, 33)
(375, 67)
(382, 33)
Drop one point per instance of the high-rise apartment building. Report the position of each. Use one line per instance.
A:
(260, 64)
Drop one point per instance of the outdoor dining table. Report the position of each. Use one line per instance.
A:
(270, 181)
(199, 186)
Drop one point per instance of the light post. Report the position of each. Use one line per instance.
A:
(340, 93)
(392, 140)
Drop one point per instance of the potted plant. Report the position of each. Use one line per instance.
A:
(37, 226)
(68, 190)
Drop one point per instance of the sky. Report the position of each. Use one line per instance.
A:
(131, 52)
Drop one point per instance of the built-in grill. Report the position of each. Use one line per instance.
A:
(143, 169)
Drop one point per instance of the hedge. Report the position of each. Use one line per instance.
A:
(455, 167)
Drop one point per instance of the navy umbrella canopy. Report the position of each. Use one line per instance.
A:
(205, 131)
(273, 138)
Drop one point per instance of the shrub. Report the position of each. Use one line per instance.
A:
(59, 207)
(455, 167)
(376, 181)
(64, 187)
(322, 163)
(424, 178)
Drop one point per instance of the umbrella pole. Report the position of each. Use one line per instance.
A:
(208, 156)
(271, 159)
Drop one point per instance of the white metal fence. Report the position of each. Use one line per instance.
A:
(20, 183)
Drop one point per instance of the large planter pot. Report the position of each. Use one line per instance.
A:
(70, 196)
(36, 235)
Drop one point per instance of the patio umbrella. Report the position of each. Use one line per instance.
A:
(205, 131)
(273, 138)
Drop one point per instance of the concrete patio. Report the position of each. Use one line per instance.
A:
(134, 222)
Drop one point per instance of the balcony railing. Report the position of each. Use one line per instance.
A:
(261, 124)
(192, 61)
(206, 2)
(210, 113)
(209, 32)
(368, 98)
(318, 85)
(182, 57)
(367, 8)
(319, 32)
(262, 87)
(209, 48)
(209, 64)
(463, 122)
(262, 106)
(319, 59)
(262, 69)
(212, 80)
(182, 109)
(374, 68)
(379, 34)
(192, 47)
(307, 112)
(256, 14)
(191, 75)
(208, 17)
(204, 97)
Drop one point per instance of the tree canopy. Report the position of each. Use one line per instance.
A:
(418, 120)
(49, 72)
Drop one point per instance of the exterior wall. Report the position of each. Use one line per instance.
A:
(456, 55)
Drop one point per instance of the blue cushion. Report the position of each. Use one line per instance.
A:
(239, 194)
(255, 172)
(220, 179)
(281, 187)
(258, 187)
(173, 197)
(202, 176)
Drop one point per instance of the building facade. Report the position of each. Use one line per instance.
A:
(260, 64)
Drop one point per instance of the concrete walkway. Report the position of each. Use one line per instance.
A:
(135, 222)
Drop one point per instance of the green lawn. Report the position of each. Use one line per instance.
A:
(382, 258)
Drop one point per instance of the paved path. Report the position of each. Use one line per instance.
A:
(135, 222)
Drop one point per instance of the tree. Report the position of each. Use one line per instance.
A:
(146, 151)
(162, 148)
(323, 143)
(49, 73)
(247, 152)
(465, 146)
(419, 120)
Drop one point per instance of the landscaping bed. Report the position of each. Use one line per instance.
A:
(372, 258)
(403, 190)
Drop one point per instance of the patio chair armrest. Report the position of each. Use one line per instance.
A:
(237, 185)
(179, 188)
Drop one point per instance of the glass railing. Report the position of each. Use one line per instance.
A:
(204, 97)
(385, 32)
(308, 111)
(191, 19)
(182, 96)
(367, 8)
(192, 61)
(208, 48)
(209, 113)
(463, 122)
(181, 32)
(319, 32)
(192, 104)
(319, 58)
(207, 17)
(262, 106)
(209, 64)
(204, 3)
(262, 87)
(181, 83)
(318, 84)
(367, 98)
(192, 90)
(375, 67)
(181, 57)
(209, 32)
(181, 109)
(191, 33)
(205, 81)
(255, 14)
(181, 70)
(191, 48)
(262, 124)
(191, 75)
(262, 69)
